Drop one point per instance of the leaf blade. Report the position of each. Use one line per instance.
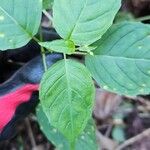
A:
(128, 59)
(84, 21)
(47, 4)
(17, 29)
(61, 46)
(66, 91)
(86, 141)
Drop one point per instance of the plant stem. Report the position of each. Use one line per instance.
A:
(64, 56)
(35, 39)
(80, 53)
(72, 146)
(143, 18)
(44, 58)
(43, 54)
(47, 15)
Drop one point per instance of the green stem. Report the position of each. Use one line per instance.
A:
(80, 53)
(36, 40)
(72, 146)
(43, 53)
(143, 18)
(64, 56)
(44, 58)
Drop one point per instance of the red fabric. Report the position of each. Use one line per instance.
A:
(9, 102)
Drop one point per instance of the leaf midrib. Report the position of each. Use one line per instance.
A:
(69, 96)
(15, 21)
(77, 20)
(121, 57)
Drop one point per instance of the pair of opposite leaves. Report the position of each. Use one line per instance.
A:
(81, 26)
(67, 89)
(87, 22)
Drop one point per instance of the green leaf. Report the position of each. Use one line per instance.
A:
(86, 141)
(66, 92)
(19, 22)
(122, 59)
(47, 4)
(61, 46)
(84, 21)
(50, 132)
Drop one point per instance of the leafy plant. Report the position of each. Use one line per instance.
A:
(116, 56)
